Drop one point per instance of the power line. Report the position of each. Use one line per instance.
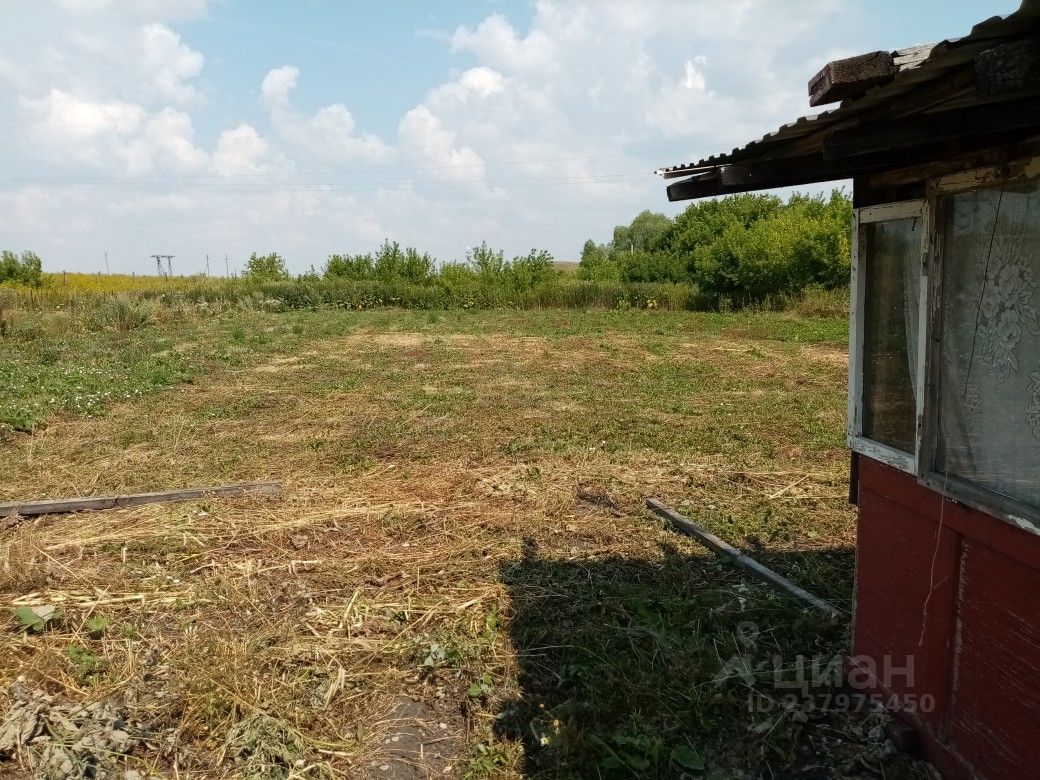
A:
(383, 186)
(347, 171)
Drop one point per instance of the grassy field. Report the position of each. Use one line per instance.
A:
(460, 580)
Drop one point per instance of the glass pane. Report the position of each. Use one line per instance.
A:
(892, 253)
(989, 381)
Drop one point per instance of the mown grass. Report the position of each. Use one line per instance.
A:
(462, 557)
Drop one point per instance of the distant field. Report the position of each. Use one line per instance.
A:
(72, 282)
(461, 562)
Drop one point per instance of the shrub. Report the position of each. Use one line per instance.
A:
(742, 250)
(349, 267)
(26, 268)
(265, 268)
(123, 312)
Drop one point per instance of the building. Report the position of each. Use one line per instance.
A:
(942, 143)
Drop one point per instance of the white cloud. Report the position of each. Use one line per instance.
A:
(695, 78)
(425, 137)
(68, 128)
(145, 10)
(330, 135)
(496, 42)
(170, 63)
(277, 85)
(167, 143)
(541, 133)
(114, 136)
(241, 150)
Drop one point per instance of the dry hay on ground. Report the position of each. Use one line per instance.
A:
(366, 625)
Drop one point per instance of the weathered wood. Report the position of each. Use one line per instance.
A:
(851, 77)
(1011, 67)
(912, 56)
(767, 174)
(62, 506)
(991, 120)
(748, 564)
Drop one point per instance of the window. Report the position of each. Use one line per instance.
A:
(988, 373)
(885, 344)
(944, 373)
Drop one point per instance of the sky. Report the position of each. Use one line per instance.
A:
(312, 127)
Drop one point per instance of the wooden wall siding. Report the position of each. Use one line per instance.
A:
(976, 639)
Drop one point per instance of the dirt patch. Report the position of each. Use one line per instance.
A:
(828, 354)
(417, 744)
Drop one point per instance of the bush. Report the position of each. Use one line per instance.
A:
(534, 269)
(742, 250)
(265, 268)
(349, 267)
(122, 312)
(26, 268)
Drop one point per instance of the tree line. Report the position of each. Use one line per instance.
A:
(741, 250)
(737, 251)
(393, 263)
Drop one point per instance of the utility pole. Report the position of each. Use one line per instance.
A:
(207, 264)
(107, 269)
(227, 265)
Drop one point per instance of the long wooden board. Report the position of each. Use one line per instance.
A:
(61, 506)
(750, 565)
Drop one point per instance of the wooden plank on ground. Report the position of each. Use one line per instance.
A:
(750, 565)
(61, 506)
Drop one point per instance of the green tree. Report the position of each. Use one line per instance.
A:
(535, 268)
(10, 268)
(416, 267)
(597, 265)
(650, 267)
(776, 251)
(388, 261)
(266, 268)
(349, 267)
(644, 234)
(489, 263)
(26, 268)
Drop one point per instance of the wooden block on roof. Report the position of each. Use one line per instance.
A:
(851, 77)
(1010, 67)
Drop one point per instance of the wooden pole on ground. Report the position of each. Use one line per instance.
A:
(750, 565)
(61, 506)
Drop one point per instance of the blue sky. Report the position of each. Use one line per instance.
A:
(207, 126)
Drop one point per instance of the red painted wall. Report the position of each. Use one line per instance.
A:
(948, 601)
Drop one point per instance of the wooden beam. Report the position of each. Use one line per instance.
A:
(750, 565)
(912, 56)
(1003, 120)
(61, 506)
(851, 77)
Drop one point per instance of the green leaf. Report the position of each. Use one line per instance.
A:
(688, 758)
(36, 619)
(96, 627)
(476, 690)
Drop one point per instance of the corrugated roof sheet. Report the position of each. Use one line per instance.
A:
(944, 56)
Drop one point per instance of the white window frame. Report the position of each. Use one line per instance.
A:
(857, 441)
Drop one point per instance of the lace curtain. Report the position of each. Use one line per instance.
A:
(989, 389)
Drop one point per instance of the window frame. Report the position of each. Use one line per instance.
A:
(858, 442)
(976, 496)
